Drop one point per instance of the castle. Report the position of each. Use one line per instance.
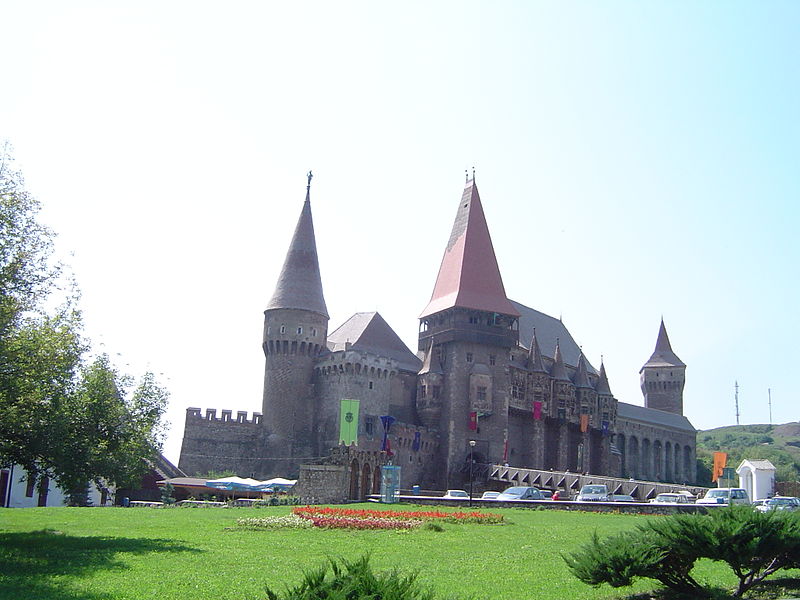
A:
(488, 370)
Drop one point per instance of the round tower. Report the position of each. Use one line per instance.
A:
(295, 332)
(663, 376)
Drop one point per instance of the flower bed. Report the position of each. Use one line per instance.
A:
(311, 512)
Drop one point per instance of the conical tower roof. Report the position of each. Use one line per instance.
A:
(535, 362)
(602, 381)
(469, 276)
(663, 356)
(581, 374)
(299, 284)
(559, 371)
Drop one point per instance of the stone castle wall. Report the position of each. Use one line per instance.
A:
(220, 441)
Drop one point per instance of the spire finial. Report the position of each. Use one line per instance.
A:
(310, 176)
(473, 172)
(466, 175)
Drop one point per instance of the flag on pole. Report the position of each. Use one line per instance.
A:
(348, 422)
(720, 460)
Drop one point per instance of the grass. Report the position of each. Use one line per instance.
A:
(138, 554)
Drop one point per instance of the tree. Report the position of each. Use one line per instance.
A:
(61, 415)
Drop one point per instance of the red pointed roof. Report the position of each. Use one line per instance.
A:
(663, 356)
(469, 276)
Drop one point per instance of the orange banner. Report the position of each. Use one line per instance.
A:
(584, 423)
(720, 460)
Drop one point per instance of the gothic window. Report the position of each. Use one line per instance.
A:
(283, 328)
(492, 359)
(481, 394)
(369, 426)
(516, 391)
(469, 357)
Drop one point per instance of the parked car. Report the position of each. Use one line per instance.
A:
(780, 503)
(490, 495)
(456, 495)
(725, 496)
(593, 493)
(520, 493)
(669, 498)
(621, 498)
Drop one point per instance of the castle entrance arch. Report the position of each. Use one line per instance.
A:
(366, 482)
(354, 470)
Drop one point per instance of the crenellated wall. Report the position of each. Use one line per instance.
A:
(215, 441)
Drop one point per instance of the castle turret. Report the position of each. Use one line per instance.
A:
(663, 376)
(295, 330)
(476, 327)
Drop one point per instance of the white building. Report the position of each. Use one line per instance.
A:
(757, 476)
(19, 490)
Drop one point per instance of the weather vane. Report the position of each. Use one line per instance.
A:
(310, 177)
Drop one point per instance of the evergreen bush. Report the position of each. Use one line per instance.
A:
(354, 580)
(753, 544)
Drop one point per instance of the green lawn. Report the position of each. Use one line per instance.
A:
(198, 553)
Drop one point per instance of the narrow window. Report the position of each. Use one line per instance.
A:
(283, 328)
(370, 385)
(481, 394)
(492, 359)
(422, 391)
(313, 332)
(469, 356)
(299, 331)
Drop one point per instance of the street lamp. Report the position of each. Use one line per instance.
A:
(471, 463)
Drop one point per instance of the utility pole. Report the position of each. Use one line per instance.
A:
(736, 396)
(769, 395)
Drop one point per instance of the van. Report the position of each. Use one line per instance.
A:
(725, 496)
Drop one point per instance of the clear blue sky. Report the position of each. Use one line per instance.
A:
(635, 159)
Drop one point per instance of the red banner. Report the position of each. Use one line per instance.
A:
(505, 451)
(537, 410)
(473, 421)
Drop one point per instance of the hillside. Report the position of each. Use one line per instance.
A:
(780, 444)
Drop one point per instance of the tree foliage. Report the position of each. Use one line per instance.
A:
(61, 414)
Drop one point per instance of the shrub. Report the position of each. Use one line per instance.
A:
(753, 544)
(353, 581)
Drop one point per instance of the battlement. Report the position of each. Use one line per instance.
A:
(226, 416)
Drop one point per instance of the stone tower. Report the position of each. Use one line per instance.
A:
(468, 330)
(295, 332)
(663, 376)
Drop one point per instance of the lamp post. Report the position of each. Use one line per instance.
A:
(471, 463)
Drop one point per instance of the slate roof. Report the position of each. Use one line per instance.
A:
(469, 276)
(369, 332)
(548, 330)
(663, 356)
(634, 412)
(300, 284)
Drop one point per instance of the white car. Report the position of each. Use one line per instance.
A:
(779, 503)
(725, 496)
(456, 495)
(593, 493)
(670, 499)
(490, 495)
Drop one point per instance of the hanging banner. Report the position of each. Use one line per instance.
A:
(416, 443)
(537, 410)
(720, 460)
(505, 451)
(348, 422)
(584, 423)
(473, 421)
(387, 421)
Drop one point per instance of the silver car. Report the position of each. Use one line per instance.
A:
(593, 493)
(780, 503)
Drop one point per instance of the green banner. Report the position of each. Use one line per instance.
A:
(348, 422)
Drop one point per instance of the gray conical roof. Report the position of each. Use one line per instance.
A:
(535, 362)
(299, 284)
(559, 371)
(602, 381)
(663, 356)
(581, 375)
